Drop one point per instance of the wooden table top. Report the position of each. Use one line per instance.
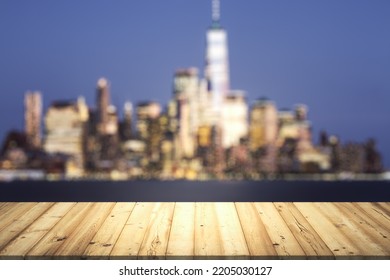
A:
(195, 230)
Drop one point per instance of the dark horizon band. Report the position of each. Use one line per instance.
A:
(195, 191)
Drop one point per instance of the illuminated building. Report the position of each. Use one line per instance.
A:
(216, 74)
(288, 128)
(186, 88)
(234, 119)
(125, 126)
(65, 124)
(145, 111)
(262, 135)
(156, 128)
(352, 157)
(151, 126)
(217, 63)
(103, 103)
(32, 118)
(217, 79)
(109, 141)
(296, 151)
(263, 124)
(301, 112)
(373, 159)
(13, 152)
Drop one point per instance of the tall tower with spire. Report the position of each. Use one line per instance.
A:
(217, 62)
(217, 80)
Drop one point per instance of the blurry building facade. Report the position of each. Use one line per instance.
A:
(125, 127)
(263, 134)
(103, 103)
(186, 95)
(217, 63)
(235, 119)
(146, 111)
(65, 128)
(32, 118)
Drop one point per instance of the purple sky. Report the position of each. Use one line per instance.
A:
(332, 55)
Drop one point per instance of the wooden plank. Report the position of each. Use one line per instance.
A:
(385, 205)
(330, 233)
(49, 244)
(365, 238)
(155, 242)
(4, 206)
(256, 236)
(21, 223)
(231, 231)
(103, 242)
(132, 235)
(308, 238)
(281, 236)
(370, 231)
(160, 230)
(218, 232)
(381, 226)
(29, 237)
(206, 240)
(337, 230)
(13, 213)
(375, 214)
(79, 239)
(181, 238)
(207, 235)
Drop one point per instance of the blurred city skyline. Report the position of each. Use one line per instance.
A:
(333, 57)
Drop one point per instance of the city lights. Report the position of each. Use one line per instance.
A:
(206, 131)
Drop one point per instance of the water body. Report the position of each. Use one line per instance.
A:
(193, 191)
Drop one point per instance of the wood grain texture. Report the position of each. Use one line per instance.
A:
(382, 210)
(50, 243)
(374, 214)
(218, 231)
(19, 246)
(307, 237)
(338, 231)
(356, 229)
(385, 206)
(18, 225)
(256, 236)
(132, 235)
(281, 236)
(10, 215)
(182, 235)
(155, 242)
(4, 206)
(104, 240)
(370, 226)
(78, 240)
(194, 230)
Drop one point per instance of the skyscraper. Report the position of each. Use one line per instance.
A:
(234, 119)
(32, 118)
(65, 124)
(217, 63)
(263, 124)
(186, 88)
(103, 103)
(125, 125)
(263, 134)
(145, 112)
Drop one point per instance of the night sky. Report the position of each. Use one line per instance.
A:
(332, 55)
